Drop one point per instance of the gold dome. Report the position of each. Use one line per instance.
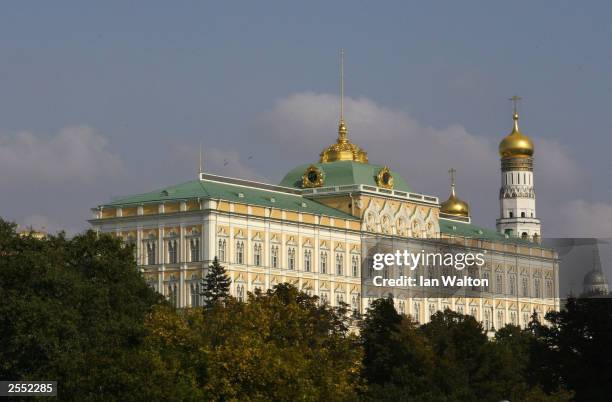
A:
(454, 205)
(516, 144)
(343, 149)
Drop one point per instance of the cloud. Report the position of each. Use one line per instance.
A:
(302, 124)
(75, 153)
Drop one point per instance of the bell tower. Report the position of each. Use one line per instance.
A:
(517, 195)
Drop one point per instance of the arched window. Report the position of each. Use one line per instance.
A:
(239, 252)
(194, 247)
(525, 320)
(354, 304)
(460, 309)
(151, 253)
(221, 254)
(274, 256)
(525, 235)
(485, 277)
(537, 290)
(307, 260)
(240, 292)
(525, 286)
(402, 307)
(513, 318)
(355, 265)
(339, 264)
(339, 298)
(257, 254)
(416, 311)
(512, 284)
(499, 283)
(432, 310)
(173, 294)
(500, 319)
(196, 297)
(510, 214)
(172, 252)
(522, 214)
(549, 288)
(291, 257)
(323, 262)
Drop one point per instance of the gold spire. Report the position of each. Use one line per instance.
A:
(343, 149)
(516, 144)
(454, 206)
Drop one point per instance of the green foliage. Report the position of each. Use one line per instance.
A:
(216, 285)
(79, 312)
(280, 346)
(70, 310)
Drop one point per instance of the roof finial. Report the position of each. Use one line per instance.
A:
(342, 130)
(515, 100)
(452, 172)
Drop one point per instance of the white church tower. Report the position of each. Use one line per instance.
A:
(517, 196)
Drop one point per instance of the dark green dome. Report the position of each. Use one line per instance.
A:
(343, 173)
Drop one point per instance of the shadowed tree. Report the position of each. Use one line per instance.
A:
(216, 284)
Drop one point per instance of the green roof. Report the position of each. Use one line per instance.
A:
(230, 192)
(473, 231)
(341, 173)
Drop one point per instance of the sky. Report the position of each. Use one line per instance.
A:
(104, 99)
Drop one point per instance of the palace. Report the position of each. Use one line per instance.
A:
(309, 230)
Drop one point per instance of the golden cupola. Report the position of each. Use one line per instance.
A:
(454, 205)
(516, 144)
(343, 149)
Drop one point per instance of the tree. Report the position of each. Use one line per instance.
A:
(73, 310)
(216, 285)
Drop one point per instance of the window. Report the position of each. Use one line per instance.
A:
(172, 252)
(525, 235)
(354, 304)
(522, 214)
(416, 311)
(485, 285)
(500, 319)
(432, 311)
(274, 256)
(240, 292)
(194, 247)
(402, 307)
(488, 324)
(150, 253)
(291, 258)
(510, 214)
(173, 294)
(460, 309)
(525, 320)
(549, 288)
(257, 254)
(474, 312)
(525, 283)
(222, 249)
(324, 297)
(537, 290)
(355, 265)
(239, 252)
(513, 318)
(339, 298)
(307, 260)
(196, 297)
(339, 264)
(323, 262)
(512, 284)
(499, 284)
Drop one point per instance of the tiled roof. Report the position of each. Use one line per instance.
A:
(206, 189)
